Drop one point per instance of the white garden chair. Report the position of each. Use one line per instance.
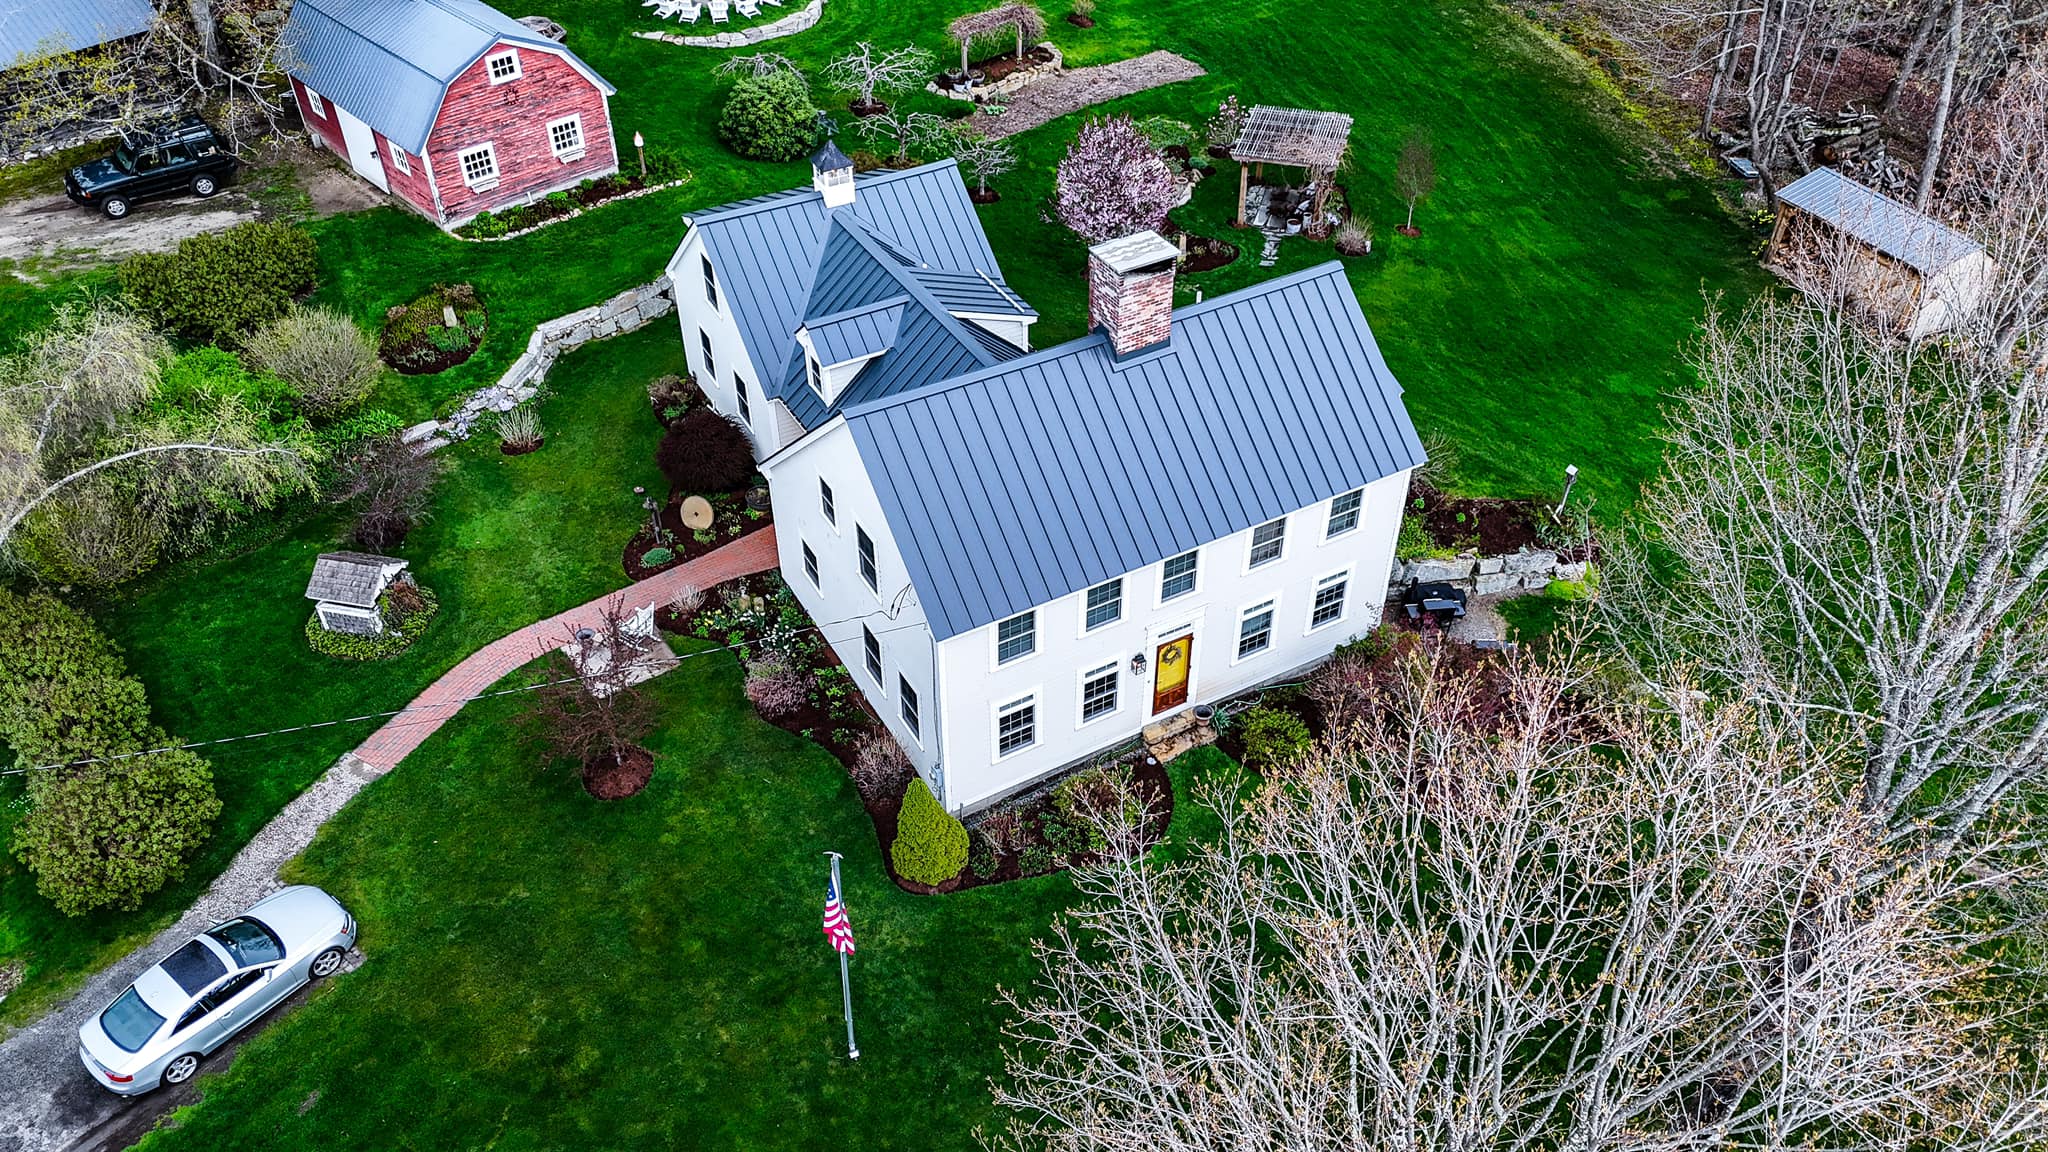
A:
(665, 9)
(748, 8)
(721, 11)
(773, 3)
(689, 11)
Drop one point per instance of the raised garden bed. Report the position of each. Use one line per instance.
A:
(731, 519)
(1207, 253)
(988, 73)
(1491, 526)
(417, 338)
(661, 170)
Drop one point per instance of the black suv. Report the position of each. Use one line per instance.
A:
(179, 157)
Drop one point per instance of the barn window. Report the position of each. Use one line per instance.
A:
(565, 136)
(399, 159)
(314, 104)
(503, 66)
(480, 167)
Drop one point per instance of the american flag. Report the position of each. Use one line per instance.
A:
(838, 929)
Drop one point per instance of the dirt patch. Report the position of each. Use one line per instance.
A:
(333, 186)
(521, 449)
(614, 778)
(53, 232)
(1494, 527)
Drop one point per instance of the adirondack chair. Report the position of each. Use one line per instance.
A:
(748, 8)
(721, 11)
(690, 11)
(773, 3)
(664, 9)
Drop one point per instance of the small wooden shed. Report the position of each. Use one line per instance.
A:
(1906, 270)
(345, 587)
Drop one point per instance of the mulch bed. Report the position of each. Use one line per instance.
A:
(521, 449)
(729, 510)
(607, 778)
(980, 197)
(407, 342)
(1080, 21)
(991, 70)
(1492, 526)
(602, 190)
(1205, 253)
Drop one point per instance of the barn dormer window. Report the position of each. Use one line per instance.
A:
(503, 66)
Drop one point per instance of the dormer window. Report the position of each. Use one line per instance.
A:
(502, 66)
(815, 375)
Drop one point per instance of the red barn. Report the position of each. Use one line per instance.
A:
(449, 105)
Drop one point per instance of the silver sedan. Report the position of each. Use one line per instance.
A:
(192, 1001)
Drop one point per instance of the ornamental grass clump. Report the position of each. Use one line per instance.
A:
(931, 844)
(330, 364)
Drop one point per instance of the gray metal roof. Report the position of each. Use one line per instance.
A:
(867, 330)
(28, 27)
(351, 578)
(768, 250)
(1870, 216)
(1055, 471)
(389, 62)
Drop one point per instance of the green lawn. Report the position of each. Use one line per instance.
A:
(546, 971)
(222, 651)
(1536, 321)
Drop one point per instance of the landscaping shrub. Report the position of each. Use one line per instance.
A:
(982, 858)
(110, 834)
(931, 845)
(705, 452)
(389, 486)
(1273, 736)
(656, 556)
(1065, 836)
(769, 118)
(328, 363)
(670, 396)
(99, 835)
(1036, 860)
(407, 608)
(663, 165)
(218, 285)
(775, 689)
(1354, 237)
(90, 535)
(878, 763)
(1100, 790)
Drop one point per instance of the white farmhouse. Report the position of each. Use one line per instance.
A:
(1027, 556)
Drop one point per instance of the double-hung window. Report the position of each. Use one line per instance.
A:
(710, 282)
(814, 375)
(1017, 637)
(1105, 604)
(739, 389)
(1344, 512)
(1016, 726)
(864, 547)
(503, 66)
(565, 137)
(825, 504)
(1329, 602)
(811, 565)
(1177, 575)
(908, 707)
(871, 652)
(1255, 630)
(1269, 540)
(710, 362)
(1098, 692)
(479, 167)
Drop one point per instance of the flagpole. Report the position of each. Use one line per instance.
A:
(845, 981)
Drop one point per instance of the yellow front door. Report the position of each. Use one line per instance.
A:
(1170, 678)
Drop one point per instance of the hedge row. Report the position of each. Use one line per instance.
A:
(104, 834)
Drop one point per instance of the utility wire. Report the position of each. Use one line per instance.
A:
(444, 708)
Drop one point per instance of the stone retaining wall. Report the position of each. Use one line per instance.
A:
(1015, 82)
(1527, 570)
(629, 310)
(787, 26)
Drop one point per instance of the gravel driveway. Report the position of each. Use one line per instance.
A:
(52, 228)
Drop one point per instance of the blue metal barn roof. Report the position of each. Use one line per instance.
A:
(68, 25)
(389, 62)
(1870, 216)
(1057, 470)
(771, 253)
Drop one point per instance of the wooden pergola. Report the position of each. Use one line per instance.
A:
(1297, 137)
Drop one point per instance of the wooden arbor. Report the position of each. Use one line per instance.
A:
(1297, 137)
(1023, 17)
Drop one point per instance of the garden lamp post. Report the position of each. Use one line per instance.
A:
(1571, 477)
(640, 146)
(652, 508)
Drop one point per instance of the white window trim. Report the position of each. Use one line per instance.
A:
(1123, 602)
(917, 733)
(567, 155)
(462, 165)
(1270, 603)
(1114, 667)
(1251, 535)
(316, 104)
(831, 521)
(995, 639)
(742, 402)
(808, 557)
(881, 662)
(876, 587)
(398, 158)
(1159, 598)
(1330, 510)
(995, 725)
(491, 71)
(1316, 587)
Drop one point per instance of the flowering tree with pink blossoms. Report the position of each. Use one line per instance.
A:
(1112, 182)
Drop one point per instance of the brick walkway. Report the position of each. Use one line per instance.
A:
(752, 553)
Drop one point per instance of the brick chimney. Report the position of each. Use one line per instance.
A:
(1130, 291)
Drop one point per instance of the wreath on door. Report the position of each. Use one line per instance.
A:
(1170, 656)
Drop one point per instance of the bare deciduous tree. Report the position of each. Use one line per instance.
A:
(75, 406)
(981, 157)
(1466, 927)
(389, 484)
(1415, 173)
(597, 716)
(902, 130)
(760, 64)
(865, 71)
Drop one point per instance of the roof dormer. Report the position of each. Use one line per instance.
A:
(838, 346)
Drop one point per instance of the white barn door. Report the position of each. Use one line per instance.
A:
(362, 147)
